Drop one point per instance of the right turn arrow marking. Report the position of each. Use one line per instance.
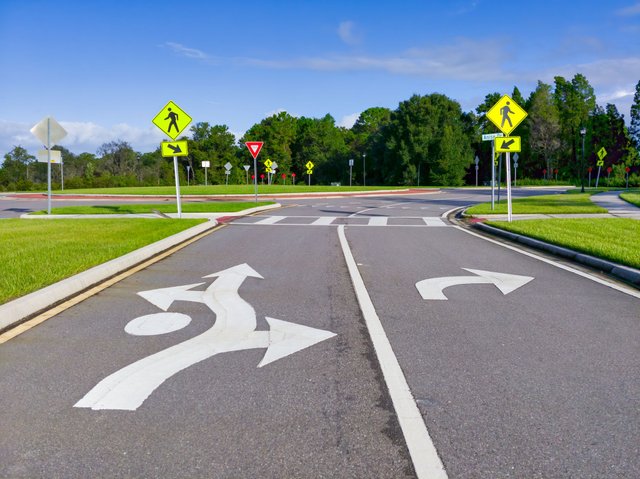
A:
(433, 288)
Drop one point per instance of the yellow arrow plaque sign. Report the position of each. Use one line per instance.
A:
(174, 148)
(506, 114)
(172, 120)
(507, 144)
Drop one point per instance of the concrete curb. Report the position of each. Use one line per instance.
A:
(27, 306)
(625, 273)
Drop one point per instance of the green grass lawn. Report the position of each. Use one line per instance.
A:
(35, 254)
(203, 207)
(546, 204)
(613, 239)
(633, 198)
(226, 190)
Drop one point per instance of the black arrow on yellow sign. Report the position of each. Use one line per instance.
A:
(507, 144)
(175, 148)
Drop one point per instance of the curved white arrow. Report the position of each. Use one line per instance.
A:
(433, 288)
(233, 330)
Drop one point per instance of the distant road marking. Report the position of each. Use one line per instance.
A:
(423, 453)
(433, 221)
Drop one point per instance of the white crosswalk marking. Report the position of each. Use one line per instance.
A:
(378, 221)
(360, 220)
(433, 221)
(324, 221)
(269, 220)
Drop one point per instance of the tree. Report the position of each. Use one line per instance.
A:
(118, 158)
(217, 145)
(544, 124)
(14, 173)
(575, 100)
(634, 128)
(426, 136)
(278, 132)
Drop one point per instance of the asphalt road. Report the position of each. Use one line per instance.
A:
(539, 382)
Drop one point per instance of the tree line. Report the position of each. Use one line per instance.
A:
(426, 140)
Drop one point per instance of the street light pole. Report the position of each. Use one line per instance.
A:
(583, 132)
(364, 169)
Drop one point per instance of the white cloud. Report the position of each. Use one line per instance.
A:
(629, 11)
(465, 59)
(348, 34)
(82, 136)
(349, 120)
(187, 52)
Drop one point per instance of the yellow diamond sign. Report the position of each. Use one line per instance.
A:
(506, 114)
(309, 165)
(172, 120)
(602, 153)
(268, 163)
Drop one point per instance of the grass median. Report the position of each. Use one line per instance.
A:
(35, 254)
(547, 204)
(613, 239)
(633, 198)
(225, 190)
(141, 208)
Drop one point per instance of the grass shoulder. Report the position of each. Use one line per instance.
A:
(35, 254)
(142, 208)
(613, 239)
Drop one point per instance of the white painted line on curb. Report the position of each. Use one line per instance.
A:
(622, 289)
(423, 453)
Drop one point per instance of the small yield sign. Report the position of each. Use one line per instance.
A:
(254, 148)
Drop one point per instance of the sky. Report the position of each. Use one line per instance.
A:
(104, 69)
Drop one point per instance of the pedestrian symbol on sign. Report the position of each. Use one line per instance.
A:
(505, 111)
(173, 116)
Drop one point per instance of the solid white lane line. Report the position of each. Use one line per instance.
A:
(423, 453)
(378, 221)
(324, 220)
(269, 220)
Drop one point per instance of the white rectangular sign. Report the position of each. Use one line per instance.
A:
(492, 136)
(56, 156)
(206, 164)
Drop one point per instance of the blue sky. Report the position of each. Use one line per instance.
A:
(104, 69)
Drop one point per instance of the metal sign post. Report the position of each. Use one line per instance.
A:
(477, 160)
(205, 165)
(350, 171)
(172, 120)
(254, 148)
(515, 169)
(49, 132)
(490, 137)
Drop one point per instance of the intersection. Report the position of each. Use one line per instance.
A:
(538, 381)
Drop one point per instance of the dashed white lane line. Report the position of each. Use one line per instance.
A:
(423, 453)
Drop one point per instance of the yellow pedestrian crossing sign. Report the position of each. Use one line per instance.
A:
(602, 153)
(268, 163)
(506, 114)
(172, 120)
(174, 148)
(507, 144)
(309, 165)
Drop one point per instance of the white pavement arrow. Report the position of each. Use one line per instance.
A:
(433, 288)
(233, 330)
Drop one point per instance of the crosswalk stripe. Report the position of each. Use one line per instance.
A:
(269, 220)
(433, 221)
(324, 221)
(378, 221)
